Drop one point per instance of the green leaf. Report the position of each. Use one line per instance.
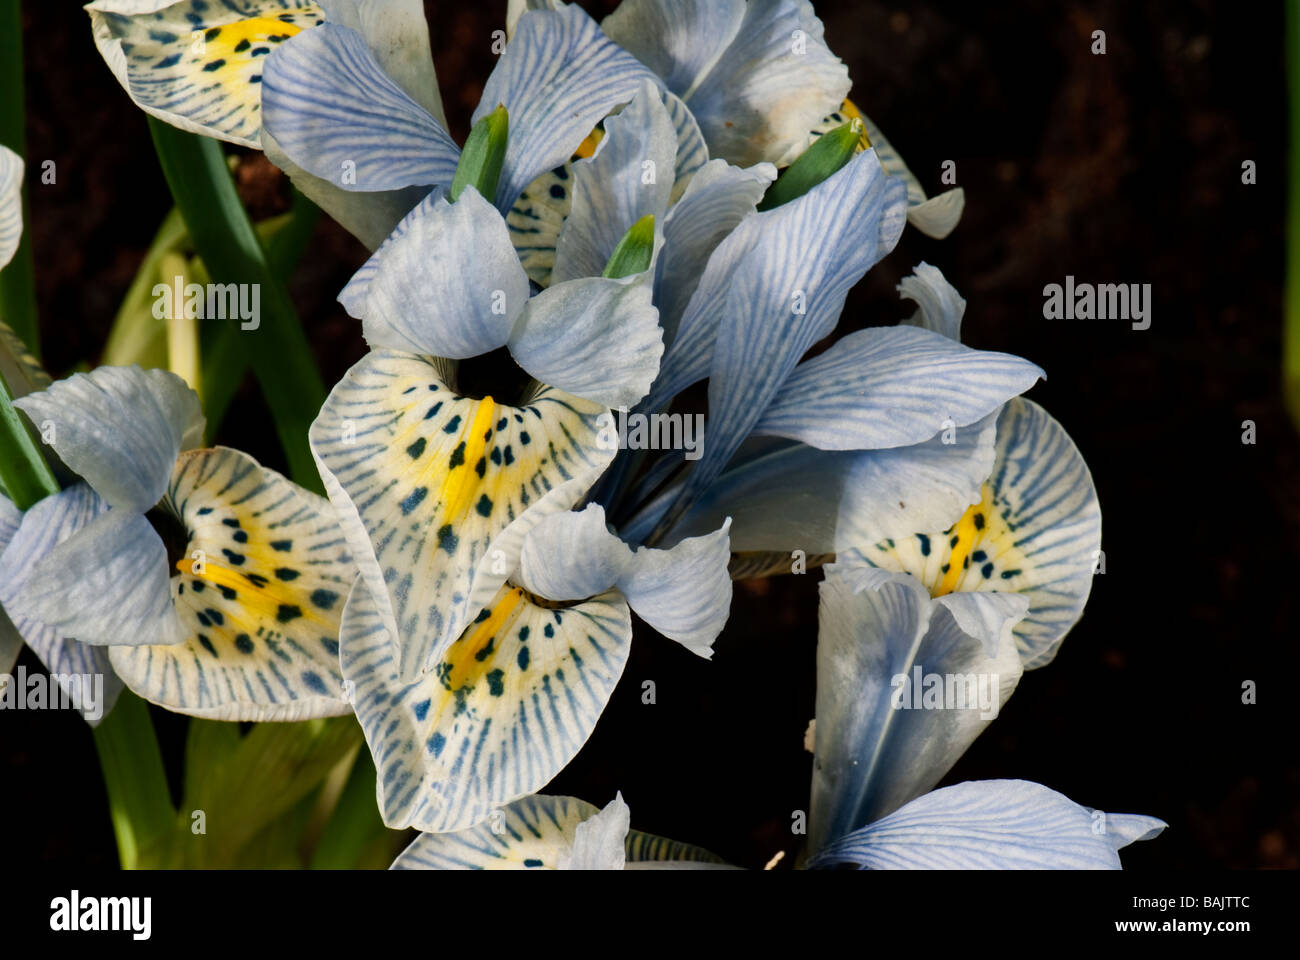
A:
(138, 799)
(480, 161)
(815, 165)
(224, 237)
(355, 836)
(633, 253)
(26, 476)
(17, 282)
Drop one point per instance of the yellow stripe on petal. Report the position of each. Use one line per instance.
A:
(509, 703)
(1036, 531)
(435, 490)
(260, 587)
(199, 64)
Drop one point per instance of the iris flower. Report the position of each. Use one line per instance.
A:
(759, 80)
(514, 698)
(215, 584)
(50, 520)
(554, 833)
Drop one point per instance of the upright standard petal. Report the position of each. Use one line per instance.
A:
(1036, 531)
(107, 584)
(196, 64)
(48, 523)
(434, 490)
(892, 387)
(120, 428)
(11, 204)
(559, 76)
(773, 288)
(598, 842)
(334, 112)
(941, 306)
(597, 338)
(260, 590)
(448, 285)
(505, 708)
(904, 686)
(398, 35)
(718, 197)
(770, 86)
(986, 825)
(680, 41)
(628, 178)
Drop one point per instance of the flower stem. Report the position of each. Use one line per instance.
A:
(138, 798)
(26, 476)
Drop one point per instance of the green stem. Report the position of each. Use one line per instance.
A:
(23, 471)
(355, 826)
(224, 237)
(17, 281)
(138, 798)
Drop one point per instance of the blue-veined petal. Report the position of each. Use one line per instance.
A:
(49, 522)
(692, 151)
(1036, 531)
(508, 704)
(357, 290)
(988, 825)
(107, 584)
(435, 490)
(757, 76)
(11, 204)
(941, 306)
(597, 338)
(770, 290)
(398, 35)
(892, 387)
(680, 41)
(615, 188)
(717, 198)
(537, 832)
(334, 111)
(448, 285)
(559, 76)
(787, 496)
(120, 428)
(196, 64)
(903, 688)
(259, 590)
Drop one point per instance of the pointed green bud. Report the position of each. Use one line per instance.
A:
(480, 161)
(633, 253)
(816, 164)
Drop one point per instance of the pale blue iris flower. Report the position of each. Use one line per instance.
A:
(235, 615)
(27, 538)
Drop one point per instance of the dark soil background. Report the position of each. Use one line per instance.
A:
(1117, 168)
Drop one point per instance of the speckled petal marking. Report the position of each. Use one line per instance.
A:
(427, 483)
(1036, 531)
(262, 599)
(508, 705)
(201, 60)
